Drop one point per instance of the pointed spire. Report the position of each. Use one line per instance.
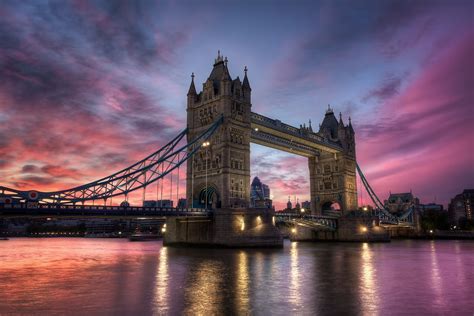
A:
(219, 58)
(340, 119)
(192, 88)
(245, 83)
(310, 127)
(350, 125)
(329, 110)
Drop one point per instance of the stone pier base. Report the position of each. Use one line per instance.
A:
(225, 228)
(358, 229)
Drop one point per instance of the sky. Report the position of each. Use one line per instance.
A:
(89, 87)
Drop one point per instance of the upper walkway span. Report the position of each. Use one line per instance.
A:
(278, 135)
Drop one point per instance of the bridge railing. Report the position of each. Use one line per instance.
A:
(100, 208)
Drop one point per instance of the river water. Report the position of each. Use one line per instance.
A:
(115, 276)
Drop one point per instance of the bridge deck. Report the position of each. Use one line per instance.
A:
(96, 211)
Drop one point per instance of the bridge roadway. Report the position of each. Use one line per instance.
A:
(96, 211)
(309, 221)
(275, 134)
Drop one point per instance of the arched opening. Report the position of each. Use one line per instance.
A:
(331, 208)
(213, 198)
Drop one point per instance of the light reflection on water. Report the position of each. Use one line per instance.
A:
(368, 287)
(97, 276)
(294, 294)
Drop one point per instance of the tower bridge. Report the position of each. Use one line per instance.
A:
(222, 175)
(220, 127)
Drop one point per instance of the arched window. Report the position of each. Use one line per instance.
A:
(327, 169)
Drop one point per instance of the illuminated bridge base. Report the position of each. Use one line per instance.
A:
(225, 228)
(356, 228)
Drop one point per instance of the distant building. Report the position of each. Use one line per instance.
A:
(260, 194)
(400, 202)
(298, 208)
(182, 203)
(307, 206)
(461, 206)
(432, 207)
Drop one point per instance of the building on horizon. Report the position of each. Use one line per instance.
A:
(398, 203)
(306, 205)
(182, 203)
(432, 207)
(460, 207)
(259, 194)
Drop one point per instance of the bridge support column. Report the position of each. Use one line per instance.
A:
(332, 180)
(225, 228)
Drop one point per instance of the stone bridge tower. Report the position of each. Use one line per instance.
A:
(226, 161)
(333, 175)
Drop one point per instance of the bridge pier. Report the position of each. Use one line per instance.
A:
(352, 227)
(224, 228)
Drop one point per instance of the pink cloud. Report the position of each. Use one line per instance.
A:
(424, 137)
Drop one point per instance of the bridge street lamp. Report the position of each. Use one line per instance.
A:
(206, 144)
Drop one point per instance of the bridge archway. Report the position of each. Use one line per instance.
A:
(213, 197)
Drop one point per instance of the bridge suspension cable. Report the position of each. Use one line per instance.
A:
(384, 215)
(142, 173)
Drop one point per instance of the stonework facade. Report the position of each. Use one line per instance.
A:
(227, 159)
(333, 175)
(225, 162)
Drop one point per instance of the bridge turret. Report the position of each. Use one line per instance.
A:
(221, 170)
(226, 80)
(237, 88)
(247, 91)
(192, 95)
(330, 125)
(350, 140)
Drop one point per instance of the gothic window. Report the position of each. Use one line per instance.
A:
(336, 168)
(318, 171)
(327, 185)
(327, 169)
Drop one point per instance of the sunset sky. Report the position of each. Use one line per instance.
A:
(89, 87)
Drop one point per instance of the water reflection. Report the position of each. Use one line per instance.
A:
(242, 284)
(202, 291)
(83, 276)
(368, 287)
(161, 283)
(295, 277)
(436, 282)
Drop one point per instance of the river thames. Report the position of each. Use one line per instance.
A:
(115, 276)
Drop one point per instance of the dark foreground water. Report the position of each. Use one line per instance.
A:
(100, 276)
